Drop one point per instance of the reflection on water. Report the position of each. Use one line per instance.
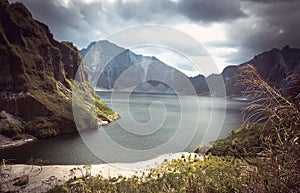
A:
(150, 125)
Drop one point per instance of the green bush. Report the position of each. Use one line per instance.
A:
(13, 131)
(214, 174)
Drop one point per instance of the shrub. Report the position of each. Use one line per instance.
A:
(270, 134)
(214, 174)
(13, 131)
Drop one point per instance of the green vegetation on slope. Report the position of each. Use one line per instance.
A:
(38, 75)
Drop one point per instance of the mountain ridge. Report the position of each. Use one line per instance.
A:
(106, 62)
(273, 65)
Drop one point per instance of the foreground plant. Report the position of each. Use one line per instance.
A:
(187, 174)
(270, 135)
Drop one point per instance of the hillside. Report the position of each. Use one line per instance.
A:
(37, 76)
(274, 66)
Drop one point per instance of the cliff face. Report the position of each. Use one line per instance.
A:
(114, 68)
(274, 66)
(200, 84)
(37, 74)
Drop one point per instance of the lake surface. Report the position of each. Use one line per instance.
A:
(150, 125)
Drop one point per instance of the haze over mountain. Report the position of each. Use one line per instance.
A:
(274, 66)
(111, 67)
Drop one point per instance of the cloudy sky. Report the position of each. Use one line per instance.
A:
(232, 31)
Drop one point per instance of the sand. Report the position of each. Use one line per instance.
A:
(42, 178)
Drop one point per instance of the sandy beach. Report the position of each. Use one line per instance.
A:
(42, 178)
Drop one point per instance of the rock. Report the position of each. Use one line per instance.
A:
(21, 181)
(200, 84)
(274, 66)
(24, 105)
(102, 123)
(10, 125)
(9, 118)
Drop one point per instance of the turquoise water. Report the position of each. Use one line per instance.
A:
(150, 125)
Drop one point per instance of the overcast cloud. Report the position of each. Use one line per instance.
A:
(233, 31)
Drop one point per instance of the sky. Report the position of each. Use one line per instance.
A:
(232, 31)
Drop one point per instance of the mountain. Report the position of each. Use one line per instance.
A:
(274, 66)
(37, 76)
(97, 54)
(200, 84)
(111, 67)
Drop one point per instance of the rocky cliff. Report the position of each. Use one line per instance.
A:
(274, 66)
(200, 84)
(37, 75)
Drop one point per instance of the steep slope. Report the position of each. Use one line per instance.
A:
(107, 62)
(200, 84)
(37, 75)
(96, 55)
(274, 66)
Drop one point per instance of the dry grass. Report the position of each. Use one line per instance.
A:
(276, 110)
(269, 104)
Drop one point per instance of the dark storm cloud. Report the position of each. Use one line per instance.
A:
(269, 1)
(66, 23)
(145, 10)
(198, 10)
(80, 22)
(54, 13)
(212, 10)
(252, 26)
(272, 25)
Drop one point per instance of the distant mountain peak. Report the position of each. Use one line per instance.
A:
(106, 62)
(110, 44)
(287, 47)
(273, 65)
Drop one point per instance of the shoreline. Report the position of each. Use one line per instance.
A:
(44, 177)
(6, 142)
